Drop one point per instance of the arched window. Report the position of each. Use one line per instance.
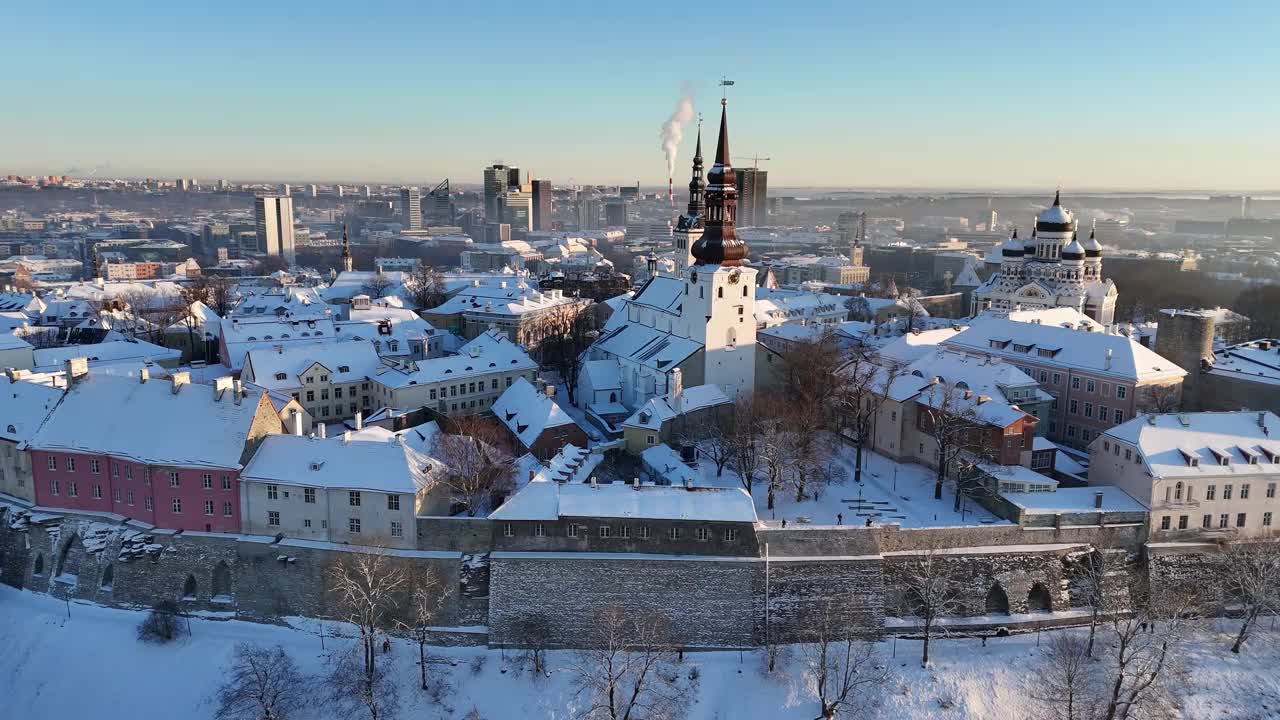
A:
(1177, 491)
(38, 568)
(1038, 599)
(189, 588)
(220, 588)
(108, 578)
(744, 291)
(613, 397)
(69, 563)
(997, 601)
(719, 292)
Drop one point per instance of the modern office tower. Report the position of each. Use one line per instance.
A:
(182, 184)
(541, 204)
(338, 190)
(368, 192)
(495, 183)
(411, 207)
(615, 213)
(439, 205)
(516, 209)
(274, 217)
(497, 232)
(513, 177)
(284, 189)
(223, 185)
(588, 213)
(312, 191)
(753, 196)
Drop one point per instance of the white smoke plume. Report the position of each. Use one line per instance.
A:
(673, 128)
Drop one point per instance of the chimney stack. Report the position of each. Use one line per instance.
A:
(550, 391)
(321, 431)
(77, 368)
(179, 379)
(222, 385)
(1107, 366)
(359, 420)
(297, 423)
(237, 391)
(1097, 500)
(143, 376)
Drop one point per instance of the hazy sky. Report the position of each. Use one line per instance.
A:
(1120, 94)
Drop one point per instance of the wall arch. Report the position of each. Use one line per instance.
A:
(220, 585)
(69, 562)
(108, 578)
(997, 601)
(189, 588)
(38, 567)
(1038, 599)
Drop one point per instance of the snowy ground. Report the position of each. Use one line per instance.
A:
(890, 493)
(91, 666)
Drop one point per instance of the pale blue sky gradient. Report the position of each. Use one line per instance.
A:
(1128, 94)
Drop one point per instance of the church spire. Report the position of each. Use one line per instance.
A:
(719, 244)
(346, 250)
(697, 185)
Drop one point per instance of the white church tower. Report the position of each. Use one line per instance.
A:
(719, 306)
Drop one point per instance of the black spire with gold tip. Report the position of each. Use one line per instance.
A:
(346, 250)
(719, 244)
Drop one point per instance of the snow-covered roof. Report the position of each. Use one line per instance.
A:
(148, 422)
(1075, 500)
(1255, 361)
(9, 341)
(1199, 444)
(284, 303)
(203, 320)
(602, 374)
(647, 346)
(664, 462)
(661, 292)
(24, 407)
(240, 336)
(1066, 317)
(490, 352)
(541, 500)
(514, 298)
(356, 282)
(52, 359)
(967, 372)
(912, 346)
(988, 409)
(571, 465)
(527, 413)
(968, 276)
(658, 410)
(391, 467)
(281, 369)
(1016, 474)
(1099, 353)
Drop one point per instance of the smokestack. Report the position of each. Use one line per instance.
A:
(671, 193)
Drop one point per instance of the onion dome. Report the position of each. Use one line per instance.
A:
(1073, 251)
(1092, 248)
(1055, 218)
(1012, 247)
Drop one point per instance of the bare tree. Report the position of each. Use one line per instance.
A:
(1092, 582)
(426, 286)
(533, 632)
(561, 335)
(378, 285)
(479, 468)
(744, 440)
(427, 594)
(773, 450)
(352, 690)
(1142, 648)
(261, 684)
(859, 309)
(627, 669)
(711, 433)
(367, 588)
(1161, 398)
(1249, 575)
(947, 416)
(931, 589)
(843, 666)
(150, 313)
(1065, 681)
(860, 396)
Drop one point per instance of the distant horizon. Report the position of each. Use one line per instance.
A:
(994, 96)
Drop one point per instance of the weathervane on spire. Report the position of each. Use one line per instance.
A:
(724, 83)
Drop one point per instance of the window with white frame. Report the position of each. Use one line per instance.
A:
(353, 498)
(508, 530)
(208, 507)
(539, 530)
(397, 528)
(273, 492)
(353, 525)
(393, 502)
(703, 534)
(206, 481)
(176, 505)
(173, 478)
(605, 531)
(309, 496)
(273, 517)
(673, 533)
(93, 465)
(227, 509)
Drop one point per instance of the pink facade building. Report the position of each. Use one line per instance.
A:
(166, 453)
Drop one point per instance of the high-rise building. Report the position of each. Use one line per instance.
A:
(495, 183)
(541, 204)
(411, 208)
(615, 213)
(439, 205)
(588, 213)
(753, 196)
(513, 177)
(368, 192)
(274, 217)
(312, 191)
(284, 189)
(497, 232)
(516, 209)
(338, 190)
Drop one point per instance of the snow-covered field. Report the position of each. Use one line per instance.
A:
(891, 492)
(91, 666)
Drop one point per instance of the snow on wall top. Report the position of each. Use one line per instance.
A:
(551, 501)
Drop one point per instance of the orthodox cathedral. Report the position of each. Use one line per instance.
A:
(693, 326)
(1052, 268)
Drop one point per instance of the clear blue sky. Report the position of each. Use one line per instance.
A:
(1121, 94)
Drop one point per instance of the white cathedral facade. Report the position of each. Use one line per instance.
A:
(691, 326)
(1052, 268)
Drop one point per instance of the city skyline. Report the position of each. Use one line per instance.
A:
(975, 98)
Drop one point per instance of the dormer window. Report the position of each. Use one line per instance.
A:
(280, 376)
(1223, 456)
(344, 368)
(1192, 458)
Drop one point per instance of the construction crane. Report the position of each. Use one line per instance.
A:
(755, 160)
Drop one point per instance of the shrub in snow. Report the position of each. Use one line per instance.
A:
(162, 624)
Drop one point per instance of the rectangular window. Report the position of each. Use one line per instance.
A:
(273, 517)
(1182, 522)
(731, 534)
(226, 482)
(227, 509)
(1271, 490)
(93, 465)
(1088, 409)
(306, 523)
(539, 530)
(493, 384)
(176, 505)
(1106, 389)
(1103, 413)
(1121, 392)
(1057, 378)
(273, 492)
(208, 507)
(624, 532)
(116, 493)
(1119, 416)
(206, 481)
(508, 530)
(72, 490)
(1226, 492)
(311, 396)
(173, 478)
(573, 530)
(1244, 491)
(1075, 383)
(53, 463)
(645, 534)
(674, 533)
(1266, 519)
(353, 525)
(71, 464)
(309, 496)
(128, 497)
(1207, 522)
(1075, 407)
(1164, 522)
(703, 534)
(393, 502)
(1210, 492)
(1223, 519)
(97, 491)
(324, 394)
(353, 498)
(433, 393)
(605, 531)
(53, 486)
(146, 502)
(397, 528)
(1240, 517)
(337, 393)
(1090, 387)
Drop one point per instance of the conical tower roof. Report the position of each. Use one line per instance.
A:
(719, 244)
